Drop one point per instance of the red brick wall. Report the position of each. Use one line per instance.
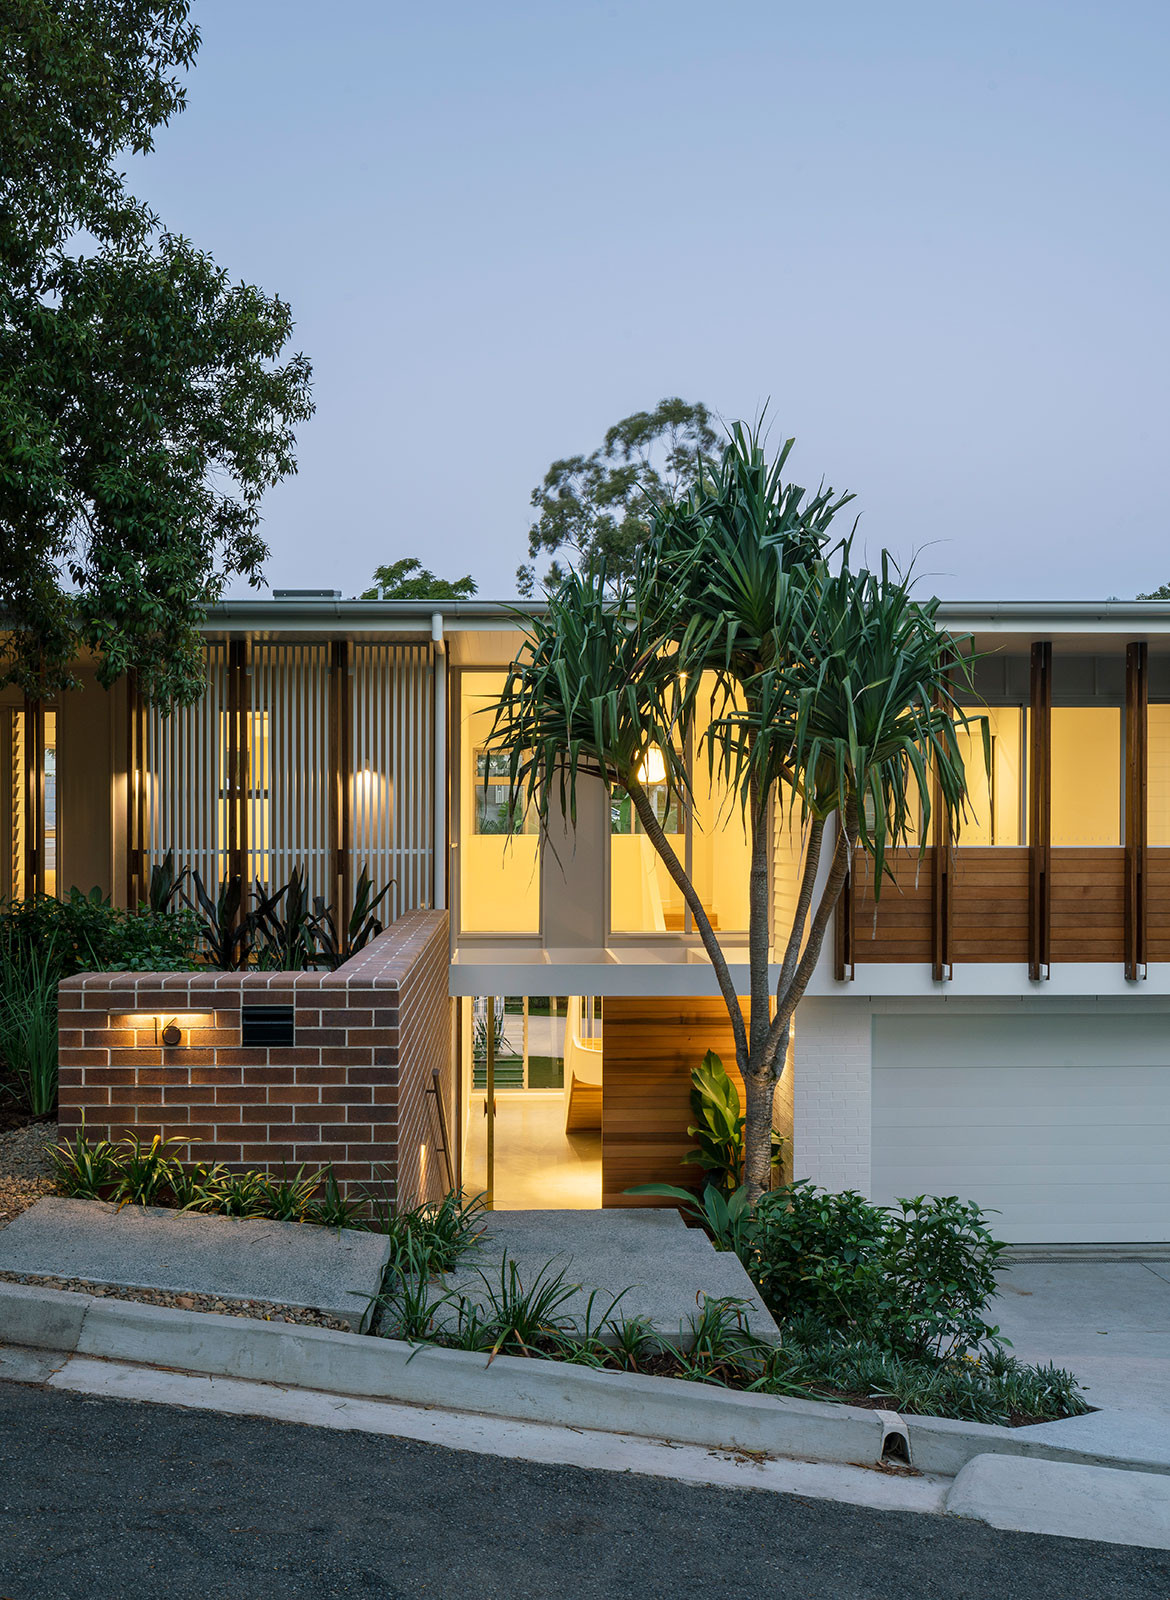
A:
(351, 1091)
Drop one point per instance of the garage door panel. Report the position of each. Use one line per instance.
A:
(1061, 1124)
(1057, 1041)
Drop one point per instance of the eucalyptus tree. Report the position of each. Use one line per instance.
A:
(834, 702)
(600, 508)
(147, 401)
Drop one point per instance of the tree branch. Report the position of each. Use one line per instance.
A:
(838, 872)
(641, 803)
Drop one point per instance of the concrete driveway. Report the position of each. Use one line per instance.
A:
(1109, 1323)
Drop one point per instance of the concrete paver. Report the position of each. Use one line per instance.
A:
(330, 1270)
(665, 1267)
(1108, 1322)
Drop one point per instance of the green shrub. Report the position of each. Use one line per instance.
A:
(718, 1126)
(809, 1250)
(989, 1387)
(88, 934)
(939, 1263)
(914, 1278)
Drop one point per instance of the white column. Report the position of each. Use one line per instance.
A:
(831, 1093)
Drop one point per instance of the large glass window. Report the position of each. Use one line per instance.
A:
(1087, 756)
(1158, 777)
(996, 810)
(499, 846)
(643, 896)
(708, 836)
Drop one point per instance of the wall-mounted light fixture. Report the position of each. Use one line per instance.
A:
(169, 1027)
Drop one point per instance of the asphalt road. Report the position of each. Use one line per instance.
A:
(107, 1499)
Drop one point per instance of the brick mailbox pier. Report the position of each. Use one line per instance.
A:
(278, 1069)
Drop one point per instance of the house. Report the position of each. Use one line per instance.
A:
(995, 1024)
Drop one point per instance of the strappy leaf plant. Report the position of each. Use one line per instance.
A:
(835, 703)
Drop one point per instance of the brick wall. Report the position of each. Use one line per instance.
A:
(351, 1091)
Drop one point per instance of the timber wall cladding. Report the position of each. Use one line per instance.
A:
(650, 1049)
(989, 904)
(350, 1092)
(897, 925)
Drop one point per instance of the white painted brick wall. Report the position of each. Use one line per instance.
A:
(831, 1093)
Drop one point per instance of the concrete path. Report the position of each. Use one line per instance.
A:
(665, 1267)
(285, 1263)
(1109, 1323)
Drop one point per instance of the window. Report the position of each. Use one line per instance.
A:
(498, 849)
(996, 813)
(493, 812)
(709, 837)
(1087, 756)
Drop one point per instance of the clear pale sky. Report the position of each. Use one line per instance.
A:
(934, 235)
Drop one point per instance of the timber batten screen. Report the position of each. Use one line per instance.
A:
(183, 780)
(285, 750)
(392, 745)
(298, 756)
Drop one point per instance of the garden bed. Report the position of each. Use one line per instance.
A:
(257, 1310)
(26, 1171)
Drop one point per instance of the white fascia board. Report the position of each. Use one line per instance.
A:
(685, 973)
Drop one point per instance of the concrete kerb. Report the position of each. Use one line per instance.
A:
(510, 1386)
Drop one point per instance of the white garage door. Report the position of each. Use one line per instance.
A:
(1059, 1123)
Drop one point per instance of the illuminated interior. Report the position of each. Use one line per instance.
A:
(709, 838)
(1158, 777)
(1087, 757)
(499, 847)
(546, 1115)
(996, 809)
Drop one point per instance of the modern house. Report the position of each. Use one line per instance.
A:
(995, 1025)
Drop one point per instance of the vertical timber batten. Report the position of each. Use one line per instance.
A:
(1040, 812)
(236, 776)
(34, 795)
(135, 795)
(341, 770)
(1136, 760)
(942, 840)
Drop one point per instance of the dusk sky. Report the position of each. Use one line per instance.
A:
(934, 236)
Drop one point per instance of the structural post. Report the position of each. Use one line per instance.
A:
(1136, 759)
(439, 824)
(340, 773)
(943, 853)
(135, 795)
(1040, 812)
(34, 796)
(490, 1104)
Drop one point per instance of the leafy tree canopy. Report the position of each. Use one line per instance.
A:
(599, 508)
(146, 401)
(1162, 592)
(408, 579)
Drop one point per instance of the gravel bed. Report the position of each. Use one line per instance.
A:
(259, 1310)
(26, 1172)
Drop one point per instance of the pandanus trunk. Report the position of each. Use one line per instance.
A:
(760, 1091)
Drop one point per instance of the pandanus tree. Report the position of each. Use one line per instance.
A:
(830, 699)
